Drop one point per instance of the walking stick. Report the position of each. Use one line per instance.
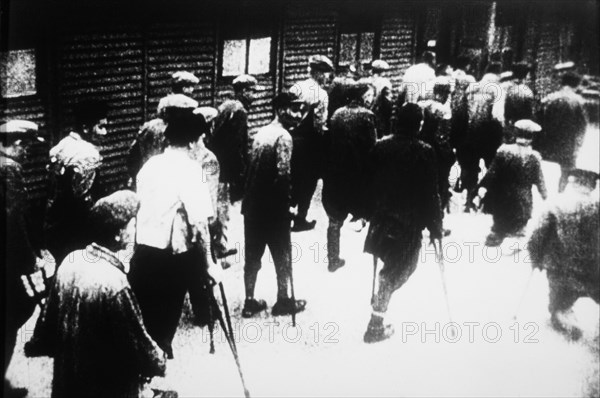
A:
(292, 286)
(229, 336)
(440, 260)
(524, 293)
(374, 277)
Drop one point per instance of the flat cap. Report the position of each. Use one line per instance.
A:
(320, 63)
(183, 78)
(287, 98)
(175, 101)
(562, 66)
(116, 209)
(527, 128)
(244, 81)
(19, 127)
(380, 64)
(208, 112)
(507, 75)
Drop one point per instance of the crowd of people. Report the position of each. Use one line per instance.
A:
(384, 155)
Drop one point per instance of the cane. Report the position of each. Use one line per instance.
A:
(524, 293)
(229, 336)
(374, 277)
(440, 260)
(292, 286)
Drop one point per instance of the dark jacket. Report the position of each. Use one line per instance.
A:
(150, 141)
(16, 233)
(92, 326)
(351, 137)
(403, 194)
(436, 132)
(268, 182)
(513, 172)
(229, 143)
(563, 120)
(566, 241)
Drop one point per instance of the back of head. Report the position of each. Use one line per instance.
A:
(110, 215)
(428, 57)
(285, 99)
(571, 79)
(184, 126)
(181, 80)
(441, 86)
(520, 70)
(408, 119)
(358, 89)
(89, 112)
(462, 62)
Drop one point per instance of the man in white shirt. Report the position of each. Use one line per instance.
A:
(173, 242)
(417, 83)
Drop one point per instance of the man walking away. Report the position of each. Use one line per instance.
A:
(398, 214)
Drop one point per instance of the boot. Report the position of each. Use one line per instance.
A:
(253, 307)
(301, 224)
(377, 331)
(287, 306)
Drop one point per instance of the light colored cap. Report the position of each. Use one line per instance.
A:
(527, 128)
(562, 66)
(321, 63)
(183, 78)
(244, 81)
(18, 127)
(208, 112)
(380, 64)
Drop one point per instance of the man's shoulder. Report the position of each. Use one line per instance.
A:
(88, 271)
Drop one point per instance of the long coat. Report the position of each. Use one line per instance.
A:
(351, 137)
(566, 241)
(563, 120)
(92, 327)
(403, 195)
(513, 172)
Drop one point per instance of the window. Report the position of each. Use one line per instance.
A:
(359, 36)
(251, 56)
(247, 42)
(356, 48)
(17, 73)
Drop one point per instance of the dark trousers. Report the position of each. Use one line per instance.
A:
(262, 231)
(306, 165)
(160, 280)
(398, 266)
(336, 221)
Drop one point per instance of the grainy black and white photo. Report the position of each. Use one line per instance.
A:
(300, 198)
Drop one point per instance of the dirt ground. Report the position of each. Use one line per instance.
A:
(493, 354)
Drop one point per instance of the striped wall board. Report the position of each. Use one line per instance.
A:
(303, 36)
(172, 48)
